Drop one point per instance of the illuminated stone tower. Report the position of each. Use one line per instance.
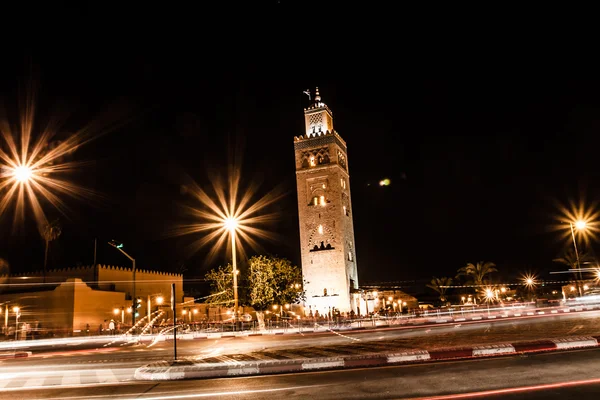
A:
(325, 213)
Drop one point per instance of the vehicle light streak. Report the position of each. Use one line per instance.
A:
(223, 394)
(522, 389)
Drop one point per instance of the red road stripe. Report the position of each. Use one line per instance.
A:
(364, 362)
(535, 346)
(270, 368)
(453, 353)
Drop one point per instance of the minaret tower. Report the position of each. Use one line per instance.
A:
(325, 213)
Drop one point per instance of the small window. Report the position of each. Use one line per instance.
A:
(315, 200)
(324, 292)
(321, 229)
(350, 256)
(322, 200)
(312, 161)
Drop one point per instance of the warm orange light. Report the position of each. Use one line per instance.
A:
(230, 223)
(580, 224)
(22, 173)
(159, 300)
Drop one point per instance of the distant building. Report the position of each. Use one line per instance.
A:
(74, 300)
(378, 299)
(327, 244)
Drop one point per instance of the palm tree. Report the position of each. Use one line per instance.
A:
(477, 273)
(52, 231)
(4, 272)
(440, 285)
(569, 258)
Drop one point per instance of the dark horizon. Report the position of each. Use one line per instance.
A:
(477, 165)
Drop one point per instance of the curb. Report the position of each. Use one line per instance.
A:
(188, 370)
(16, 354)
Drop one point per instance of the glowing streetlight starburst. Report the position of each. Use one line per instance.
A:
(583, 219)
(30, 168)
(529, 280)
(225, 210)
(22, 173)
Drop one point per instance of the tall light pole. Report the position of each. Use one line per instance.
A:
(17, 311)
(580, 225)
(231, 224)
(119, 246)
(6, 318)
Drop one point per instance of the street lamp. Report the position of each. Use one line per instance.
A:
(23, 173)
(580, 225)
(159, 301)
(119, 246)
(231, 225)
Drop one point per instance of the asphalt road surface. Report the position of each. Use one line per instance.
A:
(84, 366)
(556, 375)
(329, 344)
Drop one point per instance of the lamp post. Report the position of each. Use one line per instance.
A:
(17, 315)
(119, 246)
(6, 318)
(231, 224)
(580, 225)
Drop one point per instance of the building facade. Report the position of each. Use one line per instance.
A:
(75, 300)
(328, 251)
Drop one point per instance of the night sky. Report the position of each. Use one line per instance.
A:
(477, 159)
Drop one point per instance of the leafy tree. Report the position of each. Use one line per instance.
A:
(272, 280)
(477, 273)
(221, 286)
(440, 285)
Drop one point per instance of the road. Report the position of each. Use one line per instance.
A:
(556, 375)
(324, 344)
(92, 363)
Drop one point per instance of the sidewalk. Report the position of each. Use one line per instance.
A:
(188, 370)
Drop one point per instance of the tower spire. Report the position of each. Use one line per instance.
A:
(317, 96)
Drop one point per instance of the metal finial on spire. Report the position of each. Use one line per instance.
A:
(307, 92)
(317, 96)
